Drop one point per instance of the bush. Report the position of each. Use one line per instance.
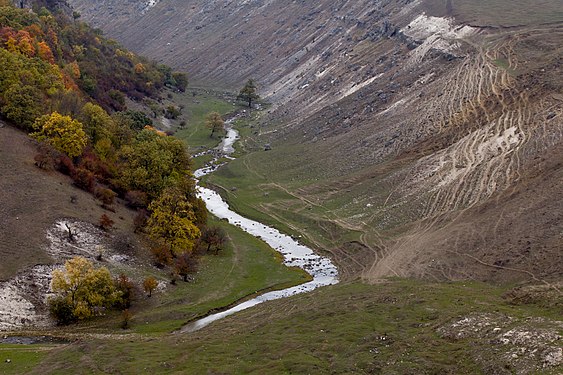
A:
(140, 220)
(45, 158)
(162, 255)
(136, 199)
(62, 310)
(84, 179)
(107, 196)
(65, 165)
(106, 223)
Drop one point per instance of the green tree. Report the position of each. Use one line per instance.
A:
(83, 289)
(61, 132)
(22, 105)
(172, 222)
(181, 81)
(248, 92)
(152, 161)
(97, 123)
(215, 122)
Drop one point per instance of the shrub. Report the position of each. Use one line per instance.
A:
(140, 220)
(136, 199)
(162, 255)
(61, 309)
(84, 179)
(65, 165)
(107, 196)
(106, 223)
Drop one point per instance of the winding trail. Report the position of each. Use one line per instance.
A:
(323, 271)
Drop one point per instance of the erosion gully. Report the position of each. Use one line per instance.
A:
(322, 270)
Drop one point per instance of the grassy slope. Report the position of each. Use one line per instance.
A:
(197, 104)
(349, 328)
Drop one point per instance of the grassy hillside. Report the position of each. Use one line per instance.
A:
(398, 327)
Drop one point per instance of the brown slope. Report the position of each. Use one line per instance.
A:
(31, 201)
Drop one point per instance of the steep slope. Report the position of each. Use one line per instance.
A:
(432, 133)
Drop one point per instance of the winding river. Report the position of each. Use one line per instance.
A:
(322, 270)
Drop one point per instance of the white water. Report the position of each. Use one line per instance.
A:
(321, 269)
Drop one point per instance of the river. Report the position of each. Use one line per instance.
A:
(322, 270)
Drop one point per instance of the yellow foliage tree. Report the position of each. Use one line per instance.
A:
(215, 122)
(139, 68)
(85, 289)
(172, 222)
(150, 284)
(62, 132)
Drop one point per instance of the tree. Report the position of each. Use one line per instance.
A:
(82, 290)
(214, 122)
(162, 255)
(181, 81)
(151, 162)
(127, 289)
(248, 92)
(172, 112)
(185, 264)
(172, 222)
(22, 105)
(62, 132)
(214, 237)
(97, 123)
(150, 284)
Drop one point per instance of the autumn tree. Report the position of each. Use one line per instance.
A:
(127, 289)
(185, 264)
(62, 132)
(172, 222)
(82, 291)
(162, 255)
(215, 122)
(214, 237)
(150, 284)
(106, 223)
(248, 92)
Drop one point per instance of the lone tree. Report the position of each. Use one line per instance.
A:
(214, 122)
(214, 237)
(150, 284)
(185, 264)
(81, 291)
(248, 92)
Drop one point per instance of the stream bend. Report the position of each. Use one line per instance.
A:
(323, 271)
